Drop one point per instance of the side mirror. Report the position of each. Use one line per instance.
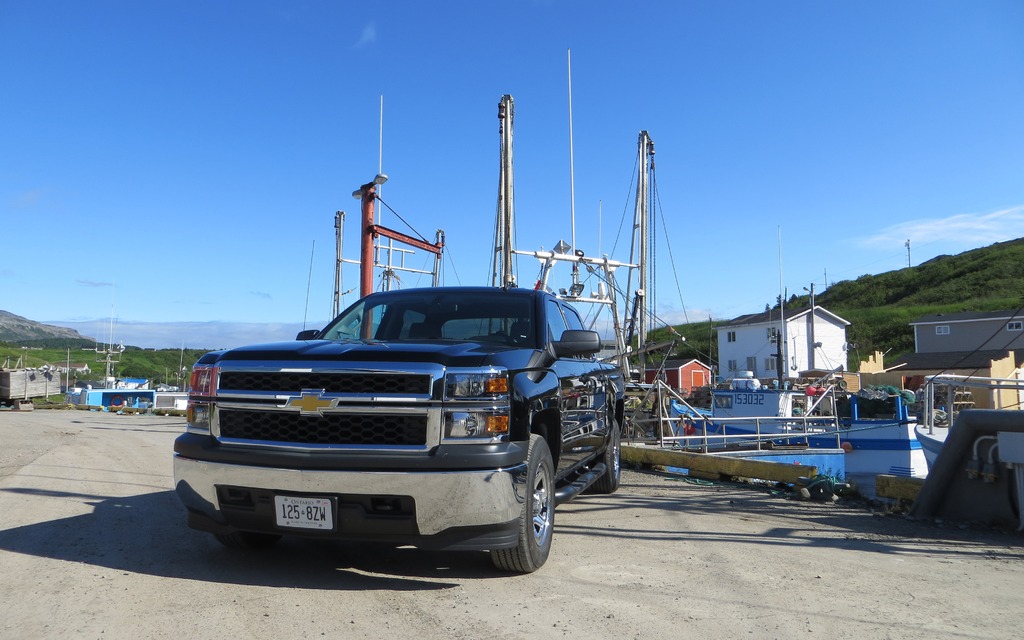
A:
(577, 342)
(308, 334)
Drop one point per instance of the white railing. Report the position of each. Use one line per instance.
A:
(932, 416)
(710, 434)
(707, 433)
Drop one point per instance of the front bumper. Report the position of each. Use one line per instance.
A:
(431, 509)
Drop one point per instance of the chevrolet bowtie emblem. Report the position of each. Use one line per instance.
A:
(312, 402)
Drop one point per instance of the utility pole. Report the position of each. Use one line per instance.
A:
(908, 251)
(810, 333)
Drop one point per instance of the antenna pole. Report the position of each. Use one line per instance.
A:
(309, 280)
(339, 221)
(572, 185)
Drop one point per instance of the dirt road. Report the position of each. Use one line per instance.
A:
(93, 544)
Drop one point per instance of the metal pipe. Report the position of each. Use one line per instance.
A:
(368, 194)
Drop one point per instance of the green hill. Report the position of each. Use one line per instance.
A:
(881, 307)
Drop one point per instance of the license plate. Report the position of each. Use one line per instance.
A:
(303, 513)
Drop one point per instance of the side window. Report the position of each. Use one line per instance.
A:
(572, 319)
(556, 323)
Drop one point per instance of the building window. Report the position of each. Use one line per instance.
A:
(773, 334)
(730, 336)
(732, 365)
(751, 363)
(769, 364)
(1015, 325)
(942, 330)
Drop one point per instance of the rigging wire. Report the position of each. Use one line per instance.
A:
(671, 258)
(420, 235)
(625, 207)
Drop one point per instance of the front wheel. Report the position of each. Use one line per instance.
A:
(537, 518)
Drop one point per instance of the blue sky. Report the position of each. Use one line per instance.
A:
(176, 165)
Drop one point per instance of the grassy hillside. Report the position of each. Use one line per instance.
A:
(881, 307)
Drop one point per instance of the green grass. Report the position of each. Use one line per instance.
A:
(156, 365)
(881, 307)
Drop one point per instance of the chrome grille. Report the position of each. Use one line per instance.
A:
(330, 429)
(377, 384)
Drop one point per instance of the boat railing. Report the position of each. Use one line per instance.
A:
(933, 416)
(705, 434)
(696, 430)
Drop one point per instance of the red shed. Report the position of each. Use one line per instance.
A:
(683, 375)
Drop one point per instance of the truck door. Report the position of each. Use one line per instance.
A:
(581, 393)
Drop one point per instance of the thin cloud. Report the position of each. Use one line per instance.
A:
(94, 283)
(26, 200)
(969, 229)
(261, 294)
(368, 37)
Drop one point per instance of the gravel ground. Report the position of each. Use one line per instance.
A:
(93, 544)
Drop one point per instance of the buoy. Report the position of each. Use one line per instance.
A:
(846, 446)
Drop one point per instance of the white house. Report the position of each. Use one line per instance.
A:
(813, 339)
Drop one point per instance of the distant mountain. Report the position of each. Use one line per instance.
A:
(18, 330)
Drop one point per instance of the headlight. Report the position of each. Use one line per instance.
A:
(482, 424)
(204, 380)
(477, 405)
(482, 385)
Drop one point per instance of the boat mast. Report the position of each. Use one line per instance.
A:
(501, 271)
(642, 316)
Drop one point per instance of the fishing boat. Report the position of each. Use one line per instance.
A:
(873, 427)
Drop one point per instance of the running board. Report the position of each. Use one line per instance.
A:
(580, 484)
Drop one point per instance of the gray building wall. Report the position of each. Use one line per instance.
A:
(951, 333)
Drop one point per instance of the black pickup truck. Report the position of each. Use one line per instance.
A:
(447, 418)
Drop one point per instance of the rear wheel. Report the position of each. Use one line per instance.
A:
(247, 539)
(609, 482)
(537, 519)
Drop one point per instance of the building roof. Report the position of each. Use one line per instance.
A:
(967, 316)
(772, 315)
(678, 364)
(953, 360)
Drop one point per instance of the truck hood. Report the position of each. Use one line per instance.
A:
(457, 354)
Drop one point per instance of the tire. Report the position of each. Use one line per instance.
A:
(609, 482)
(247, 540)
(537, 519)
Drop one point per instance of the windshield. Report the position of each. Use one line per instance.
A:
(429, 315)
